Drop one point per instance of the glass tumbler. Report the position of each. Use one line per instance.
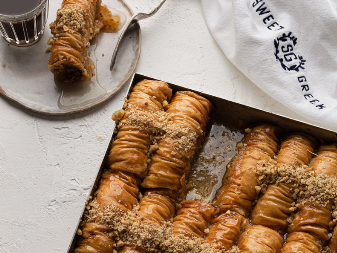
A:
(25, 29)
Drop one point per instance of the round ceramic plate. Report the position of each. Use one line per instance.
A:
(26, 79)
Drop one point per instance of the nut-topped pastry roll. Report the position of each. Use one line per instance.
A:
(302, 242)
(189, 227)
(95, 239)
(226, 230)
(118, 190)
(260, 239)
(129, 151)
(238, 188)
(234, 199)
(192, 218)
(157, 206)
(189, 114)
(313, 216)
(73, 29)
(77, 22)
(274, 206)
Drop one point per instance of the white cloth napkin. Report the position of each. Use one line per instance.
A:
(288, 48)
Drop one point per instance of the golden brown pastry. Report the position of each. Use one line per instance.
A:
(73, 29)
(129, 151)
(77, 22)
(95, 239)
(274, 207)
(156, 207)
(189, 227)
(238, 188)
(189, 114)
(301, 242)
(238, 192)
(226, 229)
(260, 239)
(296, 149)
(313, 217)
(192, 218)
(115, 189)
(325, 161)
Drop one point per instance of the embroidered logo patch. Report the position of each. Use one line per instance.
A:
(284, 52)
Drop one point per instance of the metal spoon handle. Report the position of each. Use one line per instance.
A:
(134, 19)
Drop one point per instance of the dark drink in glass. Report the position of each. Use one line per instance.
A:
(22, 22)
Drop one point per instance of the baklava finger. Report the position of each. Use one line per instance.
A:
(129, 151)
(314, 215)
(258, 239)
(72, 30)
(238, 192)
(274, 206)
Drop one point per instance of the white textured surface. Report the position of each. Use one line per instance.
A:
(48, 164)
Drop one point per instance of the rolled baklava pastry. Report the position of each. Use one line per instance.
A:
(302, 242)
(118, 191)
(238, 192)
(73, 29)
(274, 206)
(156, 207)
(226, 229)
(188, 114)
(260, 239)
(189, 228)
(192, 219)
(313, 216)
(129, 150)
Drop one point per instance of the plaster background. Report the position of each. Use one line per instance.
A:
(48, 164)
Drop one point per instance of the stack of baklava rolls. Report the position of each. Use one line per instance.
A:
(188, 114)
(127, 162)
(161, 176)
(235, 198)
(309, 230)
(270, 215)
(151, 157)
(193, 217)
